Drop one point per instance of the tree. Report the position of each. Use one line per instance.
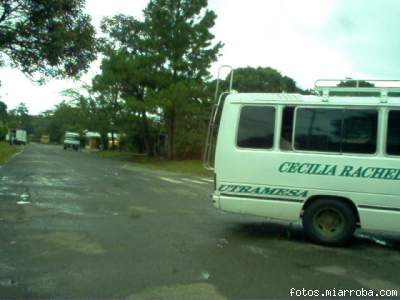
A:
(22, 110)
(127, 72)
(352, 83)
(76, 113)
(355, 83)
(114, 82)
(95, 111)
(53, 38)
(3, 120)
(169, 51)
(179, 40)
(261, 80)
(65, 117)
(19, 117)
(178, 35)
(3, 112)
(188, 103)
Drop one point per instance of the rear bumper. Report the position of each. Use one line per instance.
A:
(216, 201)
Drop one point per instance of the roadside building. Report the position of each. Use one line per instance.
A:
(92, 140)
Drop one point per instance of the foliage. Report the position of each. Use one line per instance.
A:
(122, 84)
(113, 104)
(49, 37)
(352, 83)
(41, 125)
(165, 55)
(121, 92)
(19, 117)
(182, 48)
(77, 113)
(72, 114)
(3, 131)
(179, 37)
(3, 120)
(355, 83)
(3, 112)
(185, 114)
(261, 80)
(6, 151)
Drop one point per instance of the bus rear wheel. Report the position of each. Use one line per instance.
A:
(329, 222)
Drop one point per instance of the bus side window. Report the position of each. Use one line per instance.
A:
(336, 130)
(287, 129)
(393, 133)
(359, 131)
(256, 127)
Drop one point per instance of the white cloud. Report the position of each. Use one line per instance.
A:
(280, 34)
(367, 33)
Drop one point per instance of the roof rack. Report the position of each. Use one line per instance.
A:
(357, 87)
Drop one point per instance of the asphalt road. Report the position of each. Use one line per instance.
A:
(73, 225)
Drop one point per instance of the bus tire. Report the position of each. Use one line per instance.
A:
(329, 222)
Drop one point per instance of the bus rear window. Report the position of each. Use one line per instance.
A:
(256, 127)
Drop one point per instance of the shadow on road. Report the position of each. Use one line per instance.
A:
(263, 231)
(268, 231)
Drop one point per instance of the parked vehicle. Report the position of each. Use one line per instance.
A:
(17, 137)
(72, 140)
(331, 161)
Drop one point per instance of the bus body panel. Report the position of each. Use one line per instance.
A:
(276, 184)
(276, 209)
(375, 219)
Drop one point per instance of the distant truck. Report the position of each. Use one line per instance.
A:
(17, 137)
(72, 140)
(45, 139)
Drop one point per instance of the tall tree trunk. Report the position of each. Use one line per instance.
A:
(171, 136)
(112, 140)
(147, 138)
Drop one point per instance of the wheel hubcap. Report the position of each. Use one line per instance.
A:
(329, 222)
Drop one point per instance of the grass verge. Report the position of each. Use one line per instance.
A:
(179, 166)
(6, 151)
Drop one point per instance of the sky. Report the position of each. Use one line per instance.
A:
(303, 39)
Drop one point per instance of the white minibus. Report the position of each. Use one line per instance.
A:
(329, 160)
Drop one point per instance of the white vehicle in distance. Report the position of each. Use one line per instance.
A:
(21, 137)
(17, 137)
(331, 161)
(72, 140)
